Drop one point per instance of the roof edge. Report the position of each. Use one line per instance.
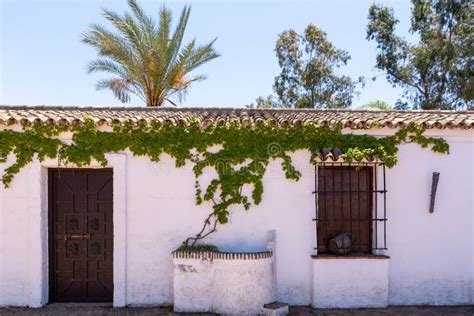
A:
(225, 109)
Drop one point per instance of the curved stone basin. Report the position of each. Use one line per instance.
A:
(224, 283)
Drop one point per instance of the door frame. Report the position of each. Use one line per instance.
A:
(37, 227)
(51, 250)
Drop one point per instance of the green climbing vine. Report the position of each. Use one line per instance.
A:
(238, 154)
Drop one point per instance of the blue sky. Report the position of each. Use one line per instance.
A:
(43, 62)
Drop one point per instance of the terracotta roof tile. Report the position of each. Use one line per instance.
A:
(355, 119)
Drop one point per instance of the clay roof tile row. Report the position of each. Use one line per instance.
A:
(355, 119)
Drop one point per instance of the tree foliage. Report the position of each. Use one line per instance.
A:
(264, 103)
(437, 71)
(376, 105)
(145, 57)
(308, 77)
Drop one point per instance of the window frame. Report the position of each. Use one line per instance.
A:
(378, 203)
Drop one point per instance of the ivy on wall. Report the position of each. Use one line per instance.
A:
(241, 158)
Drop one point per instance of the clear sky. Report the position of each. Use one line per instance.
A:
(43, 62)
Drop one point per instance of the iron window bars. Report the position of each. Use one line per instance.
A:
(348, 201)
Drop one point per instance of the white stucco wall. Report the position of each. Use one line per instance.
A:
(350, 282)
(23, 239)
(171, 214)
(432, 255)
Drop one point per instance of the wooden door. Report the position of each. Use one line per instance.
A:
(81, 235)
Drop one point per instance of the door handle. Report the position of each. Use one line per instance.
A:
(77, 236)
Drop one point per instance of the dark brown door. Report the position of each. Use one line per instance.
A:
(81, 235)
(345, 206)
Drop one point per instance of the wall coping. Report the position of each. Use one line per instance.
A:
(222, 255)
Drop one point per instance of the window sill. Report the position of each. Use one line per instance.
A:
(350, 256)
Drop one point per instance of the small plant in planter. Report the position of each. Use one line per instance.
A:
(197, 248)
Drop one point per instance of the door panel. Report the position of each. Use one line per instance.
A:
(81, 235)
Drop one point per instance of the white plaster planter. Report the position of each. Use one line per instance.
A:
(224, 283)
(350, 281)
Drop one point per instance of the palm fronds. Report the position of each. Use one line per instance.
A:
(145, 57)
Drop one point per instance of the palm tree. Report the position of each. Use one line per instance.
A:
(145, 57)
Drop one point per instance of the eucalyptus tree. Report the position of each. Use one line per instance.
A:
(146, 57)
(437, 70)
(308, 77)
(376, 105)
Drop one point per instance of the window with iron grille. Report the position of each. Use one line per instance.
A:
(350, 208)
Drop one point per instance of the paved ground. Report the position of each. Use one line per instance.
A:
(57, 310)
